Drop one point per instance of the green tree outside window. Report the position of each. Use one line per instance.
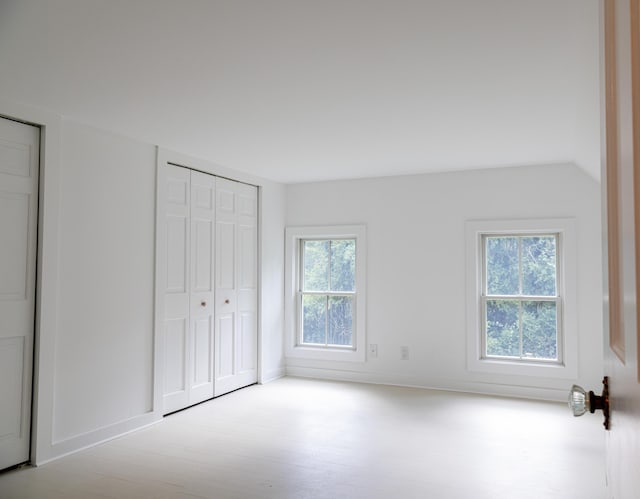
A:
(328, 291)
(520, 296)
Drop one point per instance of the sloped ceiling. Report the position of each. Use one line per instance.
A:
(304, 90)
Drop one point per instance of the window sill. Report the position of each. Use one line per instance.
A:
(329, 354)
(522, 368)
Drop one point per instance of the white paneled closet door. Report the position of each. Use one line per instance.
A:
(189, 289)
(202, 284)
(19, 165)
(236, 330)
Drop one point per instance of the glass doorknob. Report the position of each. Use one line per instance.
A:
(580, 401)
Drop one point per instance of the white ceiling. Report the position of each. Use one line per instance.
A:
(304, 90)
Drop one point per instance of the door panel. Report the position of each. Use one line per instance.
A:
(226, 271)
(226, 198)
(176, 254)
(224, 347)
(236, 286)
(11, 355)
(189, 292)
(202, 348)
(225, 255)
(176, 292)
(202, 286)
(621, 195)
(248, 354)
(248, 257)
(15, 155)
(175, 354)
(248, 203)
(203, 236)
(14, 220)
(19, 166)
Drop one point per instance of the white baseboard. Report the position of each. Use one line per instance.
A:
(90, 439)
(273, 374)
(409, 381)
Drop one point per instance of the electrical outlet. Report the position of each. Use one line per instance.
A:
(373, 350)
(404, 353)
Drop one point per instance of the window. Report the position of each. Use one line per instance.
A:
(521, 297)
(520, 301)
(325, 292)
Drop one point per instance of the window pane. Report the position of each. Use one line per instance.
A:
(502, 266)
(539, 330)
(314, 319)
(539, 266)
(503, 333)
(340, 320)
(316, 266)
(343, 265)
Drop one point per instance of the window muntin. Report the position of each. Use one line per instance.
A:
(327, 292)
(520, 300)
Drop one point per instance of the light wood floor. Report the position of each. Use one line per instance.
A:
(297, 438)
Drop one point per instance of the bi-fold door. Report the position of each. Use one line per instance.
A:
(236, 317)
(189, 291)
(210, 292)
(19, 165)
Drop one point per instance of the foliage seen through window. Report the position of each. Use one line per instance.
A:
(520, 297)
(328, 291)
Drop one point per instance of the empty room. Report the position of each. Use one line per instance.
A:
(319, 249)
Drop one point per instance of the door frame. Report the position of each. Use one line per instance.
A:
(42, 448)
(165, 156)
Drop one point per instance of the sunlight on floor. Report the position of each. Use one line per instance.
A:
(297, 438)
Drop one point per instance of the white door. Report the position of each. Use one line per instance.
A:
(236, 331)
(202, 284)
(189, 287)
(621, 179)
(19, 164)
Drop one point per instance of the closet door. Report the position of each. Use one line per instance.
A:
(200, 373)
(176, 289)
(189, 288)
(236, 331)
(19, 164)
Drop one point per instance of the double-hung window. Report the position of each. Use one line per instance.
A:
(325, 288)
(520, 297)
(521, 301)
(327, 292)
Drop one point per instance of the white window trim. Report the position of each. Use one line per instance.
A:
(293, 236)
(567, 368)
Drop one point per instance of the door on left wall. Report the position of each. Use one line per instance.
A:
(19, 168)
(189, 218)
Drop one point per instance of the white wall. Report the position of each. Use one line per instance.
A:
(94, 376)
(273, 197)
(103, 366)
(585, 97)
(416, 268)
(104, 344)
